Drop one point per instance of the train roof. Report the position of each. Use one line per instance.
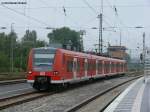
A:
(40, 48)
(84, 55)
(89, 55)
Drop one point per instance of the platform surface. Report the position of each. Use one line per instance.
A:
(136, 98)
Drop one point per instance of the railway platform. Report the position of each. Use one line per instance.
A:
(136, 98)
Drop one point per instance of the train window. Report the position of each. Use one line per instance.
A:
(78, 66)
(89, 66)
(85, 65)
(104, 65)
(94, 65)
(100, 65)
(107, 66)
(63, 59)
(69, 66)
(110, 66)
(43, 59)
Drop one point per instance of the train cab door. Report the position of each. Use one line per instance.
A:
(75, 68)
(85, 67)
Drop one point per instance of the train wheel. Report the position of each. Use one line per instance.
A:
(41, 86)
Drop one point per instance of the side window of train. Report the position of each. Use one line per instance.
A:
(110, 65)
(89, 65)
(94, 65)
(69, 66)
(85, 66)
(107, 66)
(104, 65)
(100, 65)
(117, 66)
(97, 64)
(113, 65)
(63, 59)
(78, 65)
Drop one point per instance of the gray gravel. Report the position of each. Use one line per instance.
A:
(61, 101)
(14, 89)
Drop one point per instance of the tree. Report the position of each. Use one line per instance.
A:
(8, 42)
(64, 36)
(4, 62)
(28, 42)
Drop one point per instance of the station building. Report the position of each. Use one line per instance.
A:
(117, 52)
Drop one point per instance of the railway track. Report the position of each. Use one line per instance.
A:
(100, 94)
(26, 97)
(7, 82)
(14, 100)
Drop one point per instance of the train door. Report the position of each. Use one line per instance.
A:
(123, 67)
(75, 68)
(103, 67)
(115, 70)
(110, 66)
(96, 67)
(100, 67)
(85, 67)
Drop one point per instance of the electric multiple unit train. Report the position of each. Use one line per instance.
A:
(54, 66)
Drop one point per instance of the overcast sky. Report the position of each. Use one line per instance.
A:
(81, 15)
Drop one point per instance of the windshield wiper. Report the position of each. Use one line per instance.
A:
(43, 64)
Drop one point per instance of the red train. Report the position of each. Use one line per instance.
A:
(52, 66)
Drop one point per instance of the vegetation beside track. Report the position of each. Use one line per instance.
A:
(134, 73)
(12, 76)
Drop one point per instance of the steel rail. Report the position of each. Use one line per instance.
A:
(29, 96)
(22, 98)
(7, 82)
(88, 100)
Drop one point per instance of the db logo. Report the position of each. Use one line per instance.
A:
(42, 73)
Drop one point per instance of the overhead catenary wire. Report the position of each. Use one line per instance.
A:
(43, 2)
(80, 7)
(29, 17)
(90, 7)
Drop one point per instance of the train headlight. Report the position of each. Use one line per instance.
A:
(55, 72)
(30, 72)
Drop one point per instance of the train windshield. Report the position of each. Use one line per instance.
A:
(43, 59)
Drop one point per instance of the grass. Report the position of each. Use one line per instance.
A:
(12, 76)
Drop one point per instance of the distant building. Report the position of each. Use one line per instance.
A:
(117, 52)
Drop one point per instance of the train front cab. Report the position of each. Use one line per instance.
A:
(41, 67)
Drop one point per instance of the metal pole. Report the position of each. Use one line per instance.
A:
(144, 56)
(12, 54)
(101, 33)
(120, 37)
(101, 29)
